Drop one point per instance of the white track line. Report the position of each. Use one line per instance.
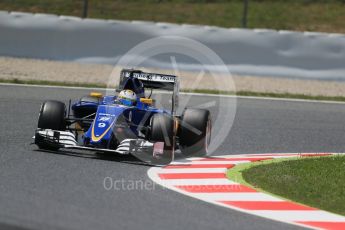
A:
(192, 182)
(182, 93)
(249, 196)
(232, 161)
(193, 170)
(301, 215)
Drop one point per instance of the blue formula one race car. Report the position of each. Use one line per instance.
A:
(127, 122)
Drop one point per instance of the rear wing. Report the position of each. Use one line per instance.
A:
(152, 81)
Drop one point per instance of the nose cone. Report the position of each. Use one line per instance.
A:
(104, 122)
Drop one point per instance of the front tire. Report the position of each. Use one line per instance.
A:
(195, 132)
(162, 130)
(51, 116)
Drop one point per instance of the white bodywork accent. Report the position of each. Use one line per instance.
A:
(67, 139)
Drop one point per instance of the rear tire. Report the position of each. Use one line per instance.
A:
(51, 116)
(162, 130)
(195, 132)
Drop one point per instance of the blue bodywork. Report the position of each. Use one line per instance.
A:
(114, 122)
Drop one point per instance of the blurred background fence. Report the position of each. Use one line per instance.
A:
(300, 15)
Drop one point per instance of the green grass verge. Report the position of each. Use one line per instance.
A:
(51, 83)
(235, 173)
(314, 181)
(272, 95)
(310, 15)
(206, 91)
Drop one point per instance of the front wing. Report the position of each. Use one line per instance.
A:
(67, 140)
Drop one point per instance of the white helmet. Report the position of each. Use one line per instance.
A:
(127, 97)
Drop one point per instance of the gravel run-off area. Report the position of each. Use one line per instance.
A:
(72, 72)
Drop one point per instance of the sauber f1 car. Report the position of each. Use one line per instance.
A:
(127, 122)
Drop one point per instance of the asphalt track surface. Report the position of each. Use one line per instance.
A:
(41, 190)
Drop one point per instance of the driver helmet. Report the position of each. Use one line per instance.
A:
(127, 97)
